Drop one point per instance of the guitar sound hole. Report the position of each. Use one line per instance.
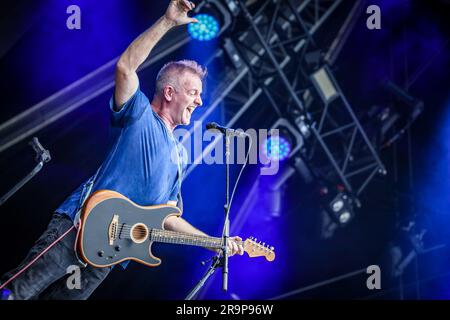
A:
(139, 233)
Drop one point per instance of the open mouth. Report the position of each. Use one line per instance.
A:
(190, 110)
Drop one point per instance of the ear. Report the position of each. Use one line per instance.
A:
(168, 93)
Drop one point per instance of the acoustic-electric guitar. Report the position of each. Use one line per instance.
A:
(113, 229)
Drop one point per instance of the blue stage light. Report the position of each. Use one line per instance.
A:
(277, 148)
(5, 294)
(205, 29)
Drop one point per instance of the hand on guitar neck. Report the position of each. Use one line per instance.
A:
(235, 245)
(178, 224)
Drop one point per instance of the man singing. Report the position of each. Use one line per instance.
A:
(139, 164)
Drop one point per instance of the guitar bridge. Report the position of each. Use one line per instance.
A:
(112, 230)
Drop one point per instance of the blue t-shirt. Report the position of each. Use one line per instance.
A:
(144, 162)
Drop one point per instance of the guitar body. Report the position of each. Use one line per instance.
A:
(113, 229)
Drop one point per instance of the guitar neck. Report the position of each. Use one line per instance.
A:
(167, 236)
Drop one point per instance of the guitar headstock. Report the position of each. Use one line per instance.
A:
(258, 249)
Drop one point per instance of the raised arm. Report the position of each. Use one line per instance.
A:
(137, 52)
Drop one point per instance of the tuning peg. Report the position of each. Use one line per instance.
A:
(251, 238)
(272, 248)
(264, 244)
(255, 239)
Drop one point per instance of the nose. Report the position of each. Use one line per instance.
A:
(198, 101)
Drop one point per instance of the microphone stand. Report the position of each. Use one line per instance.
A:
(217, 262)
(42, 156)
(226, 226)
(220, 261)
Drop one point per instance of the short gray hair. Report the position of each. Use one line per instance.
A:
(171, 71)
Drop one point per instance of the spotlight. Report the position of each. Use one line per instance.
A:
(277, 148)
(5, 294)
(213, 19)
(303, 126)
(338, 204)
(206, 29)
(344, 217)
(283, 145)
(341, 208)
(323, 82)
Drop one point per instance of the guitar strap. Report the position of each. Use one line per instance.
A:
(77, 219)
(84, 195)
(179, 164)
(180, 201)
(180, 172)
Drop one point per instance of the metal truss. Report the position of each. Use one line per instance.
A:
(336, 147)
(238, 88)
(347, 153)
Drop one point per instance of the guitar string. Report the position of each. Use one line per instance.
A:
(172, 239)
(188, 240)
(186, 237)
(128, 228)
(168, 236)
(165, 234)
(169, 233)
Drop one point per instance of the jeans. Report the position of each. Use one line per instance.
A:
(47, 277)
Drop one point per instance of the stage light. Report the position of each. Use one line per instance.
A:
(341, 208)
(303, 126)
(214, 18)
(338, 205)
(344, 217)
(5, 294)
(322, 80)
(277, 148)
(287, 141)
(206, 29)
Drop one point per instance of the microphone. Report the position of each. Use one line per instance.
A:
(225, 130)
(41, 154)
